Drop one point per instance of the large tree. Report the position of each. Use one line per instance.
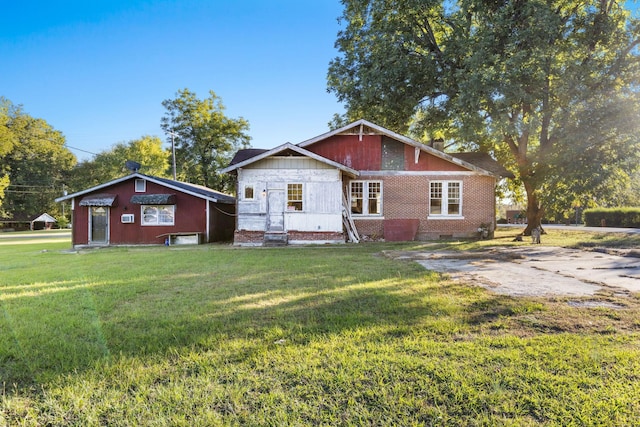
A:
(549, 87)
(7, 141)
(205, 138)
(110, 164)
(35, 162)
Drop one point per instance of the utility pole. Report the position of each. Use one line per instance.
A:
(173, 152)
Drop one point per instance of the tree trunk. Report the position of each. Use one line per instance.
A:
(534, 209)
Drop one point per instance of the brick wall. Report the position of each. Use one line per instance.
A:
(248, 238)
(256, 238)
(407, 197)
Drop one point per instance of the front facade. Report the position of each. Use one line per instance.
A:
(290, 195)
(141, 209)
(390, 186)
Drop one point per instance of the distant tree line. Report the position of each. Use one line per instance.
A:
(36, 166)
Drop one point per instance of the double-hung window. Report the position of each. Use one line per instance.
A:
(445, 198)
(366, 197)
(158, 214)
(294, 197)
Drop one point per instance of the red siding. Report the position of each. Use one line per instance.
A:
(190, 216)
(427, 162)
(366, 155)
(350, 151)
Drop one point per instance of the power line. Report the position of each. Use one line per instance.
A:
(80, 149)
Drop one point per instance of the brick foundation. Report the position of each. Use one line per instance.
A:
(256, 238)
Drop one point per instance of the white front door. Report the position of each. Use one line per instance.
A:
(275, 210)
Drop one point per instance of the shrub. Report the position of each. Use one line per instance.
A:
(612, 217)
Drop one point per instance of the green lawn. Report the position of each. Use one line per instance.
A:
(216, 335)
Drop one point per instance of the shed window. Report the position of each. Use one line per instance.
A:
(445, 198)
(140, 186)
(294, 197)
(366, 197)
(158, 214)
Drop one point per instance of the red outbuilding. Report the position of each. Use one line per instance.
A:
(142, 209)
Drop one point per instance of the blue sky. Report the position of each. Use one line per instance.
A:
(98, 70)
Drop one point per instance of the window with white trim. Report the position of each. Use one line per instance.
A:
(295, 197)
(366, 197)
(158, 214)
(445, 198)
(141, 185)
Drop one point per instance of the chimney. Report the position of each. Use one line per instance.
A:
(438, 144)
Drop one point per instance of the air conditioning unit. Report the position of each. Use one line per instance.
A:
(127, 218)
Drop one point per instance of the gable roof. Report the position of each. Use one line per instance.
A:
(45, 217)
(245, 159)
(361, 124)
(246, 153)
(184, 187)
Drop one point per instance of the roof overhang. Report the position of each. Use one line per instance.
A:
(290, 147)
(183, 187)
(109, 200)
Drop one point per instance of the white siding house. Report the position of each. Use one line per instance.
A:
(291, 195)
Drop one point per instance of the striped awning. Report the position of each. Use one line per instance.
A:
(99, 200)
(154, 199)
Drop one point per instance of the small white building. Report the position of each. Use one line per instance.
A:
(289, 195)
(43, 222)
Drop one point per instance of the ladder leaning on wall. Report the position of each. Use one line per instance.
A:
(347, 220)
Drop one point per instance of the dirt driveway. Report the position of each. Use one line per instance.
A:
(535, 270)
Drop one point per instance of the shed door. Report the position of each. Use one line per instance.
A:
(98, 227)
(275, 210)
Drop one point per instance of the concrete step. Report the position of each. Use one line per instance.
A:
(275, 239)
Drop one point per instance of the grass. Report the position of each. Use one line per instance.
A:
(216, 335)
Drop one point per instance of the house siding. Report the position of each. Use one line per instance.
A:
(404, 167)
(321, 217)
(190, 216)
(366, 154)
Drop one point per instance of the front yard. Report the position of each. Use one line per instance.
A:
(216, 335)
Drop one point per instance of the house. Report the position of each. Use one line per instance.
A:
(143, 209)
(43, 222)
(362, 180)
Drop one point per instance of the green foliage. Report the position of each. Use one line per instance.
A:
(549, 88)
(205, 140)
(612, 217)
(110, 164)
(35, 163)
(215, 335)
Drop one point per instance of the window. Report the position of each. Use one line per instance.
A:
(294, 197)
(141, 186)
(366, 197)
(445, 198)
(158, 215)
(248, 192)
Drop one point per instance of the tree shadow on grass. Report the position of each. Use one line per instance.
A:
(64, 328)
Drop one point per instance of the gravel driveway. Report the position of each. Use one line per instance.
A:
(535, 270)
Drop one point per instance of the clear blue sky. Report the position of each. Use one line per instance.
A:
(98, 70)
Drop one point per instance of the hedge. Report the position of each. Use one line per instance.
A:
(612, 217)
